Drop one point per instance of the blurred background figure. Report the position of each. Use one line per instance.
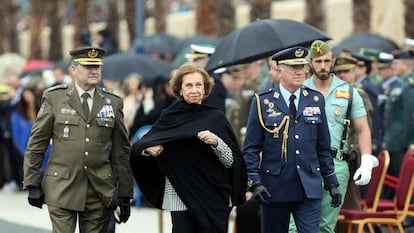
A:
(105, 39)
(132, 97)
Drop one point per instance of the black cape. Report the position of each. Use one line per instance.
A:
(195, 172)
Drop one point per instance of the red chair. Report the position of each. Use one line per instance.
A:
(391, 218)
(391, 180)
(375, 185)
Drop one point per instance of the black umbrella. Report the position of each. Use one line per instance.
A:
(261, 39)
(120, 65)
(161, 43)
(366, 40)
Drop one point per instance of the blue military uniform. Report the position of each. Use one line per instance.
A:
(291, 156)
(302, 155)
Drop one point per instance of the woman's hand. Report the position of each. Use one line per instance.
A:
(208, 137)
(155, 150)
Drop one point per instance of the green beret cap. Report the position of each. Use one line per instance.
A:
(319, 48)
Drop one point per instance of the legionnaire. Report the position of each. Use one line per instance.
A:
(399, 111)
(88, 173)
(287, 126)
(337, 95)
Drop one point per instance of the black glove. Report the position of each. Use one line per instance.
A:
(125, 207)
(36, 197)
(336, 196)
(260, 193)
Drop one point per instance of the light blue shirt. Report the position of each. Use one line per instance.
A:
(336, 105)
(286, 95)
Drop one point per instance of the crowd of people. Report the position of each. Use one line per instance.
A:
(291, 138)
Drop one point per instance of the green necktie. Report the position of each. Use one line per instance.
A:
(85, 105)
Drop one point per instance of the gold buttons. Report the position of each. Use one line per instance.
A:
(86, 139)
(86, 153)
(88, 126)
(55, 173)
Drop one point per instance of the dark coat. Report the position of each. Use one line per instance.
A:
(195, 172)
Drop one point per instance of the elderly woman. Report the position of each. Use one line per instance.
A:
(189, 162)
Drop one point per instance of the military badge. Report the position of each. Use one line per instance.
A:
(276, 95)
(338, 111)
(266, 101)
(305, 92)
(342, 94)
(311, 111)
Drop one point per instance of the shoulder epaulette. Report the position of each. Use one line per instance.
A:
(310, 90)
(265, 91)
(57, 87)
(107, 91)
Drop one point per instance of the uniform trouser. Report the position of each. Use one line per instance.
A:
(329, 215)
(275, 216)
(94, 219)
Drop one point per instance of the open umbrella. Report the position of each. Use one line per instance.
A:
(366, 40)
(35, 66)
(261, 39)
(118, 66)
(161, 43)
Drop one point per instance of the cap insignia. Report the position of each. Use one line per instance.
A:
(92, 53)
(319, 50)
(299, 52)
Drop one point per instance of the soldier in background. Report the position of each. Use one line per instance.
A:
(362, 70)
(373, 76)
(399, 112)
(345, 70)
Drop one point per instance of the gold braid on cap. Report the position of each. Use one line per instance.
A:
(285, 122)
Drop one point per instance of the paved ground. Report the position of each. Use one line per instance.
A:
(17, 216)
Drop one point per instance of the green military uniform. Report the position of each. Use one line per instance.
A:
(336, 105)
(88, 168)
(399, 120)
(241, 108)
